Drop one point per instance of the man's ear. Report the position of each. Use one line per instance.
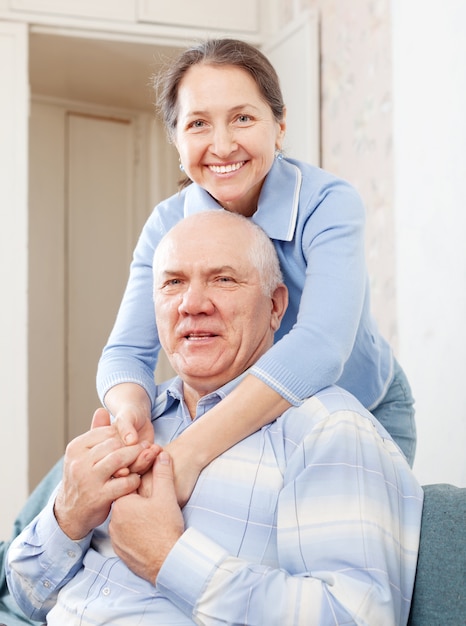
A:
(279, 306)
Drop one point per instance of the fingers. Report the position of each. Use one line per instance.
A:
(145, 486)
(160, 481)
(96, 435)
(104, 438)
(110, 463)
(101, 451)
(146, 459)
(126, 430)
(133, 426)
(162, 474)
(101, 417)
(119, 487)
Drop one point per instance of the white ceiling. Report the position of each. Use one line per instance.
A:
(102, 72)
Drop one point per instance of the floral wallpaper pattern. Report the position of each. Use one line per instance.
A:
(356, 124)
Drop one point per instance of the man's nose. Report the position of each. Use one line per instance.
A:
(196, 300)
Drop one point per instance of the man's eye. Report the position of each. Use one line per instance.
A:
(172, 282)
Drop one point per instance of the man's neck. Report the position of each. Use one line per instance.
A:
(192, 396)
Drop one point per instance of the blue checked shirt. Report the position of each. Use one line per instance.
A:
(313, 520)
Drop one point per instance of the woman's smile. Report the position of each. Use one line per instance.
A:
(226, 134)
(226, 169)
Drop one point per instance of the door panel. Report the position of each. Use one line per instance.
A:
(99, 199)
(295, 56)
(47, 391)
(91, 191)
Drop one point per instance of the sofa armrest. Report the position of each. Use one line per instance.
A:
(439, 597)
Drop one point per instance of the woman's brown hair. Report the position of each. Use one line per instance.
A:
(217, 52)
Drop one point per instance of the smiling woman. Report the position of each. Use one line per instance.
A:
(223, 109)
(227, 151)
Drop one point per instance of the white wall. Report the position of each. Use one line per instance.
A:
(429, 61)
(13, 270)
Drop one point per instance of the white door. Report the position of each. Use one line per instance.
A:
(99, 200)
(295, 55)
(85, 213)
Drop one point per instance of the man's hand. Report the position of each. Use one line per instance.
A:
(89, 488)
(145, 526)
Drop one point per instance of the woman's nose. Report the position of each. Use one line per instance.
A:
(223, 141)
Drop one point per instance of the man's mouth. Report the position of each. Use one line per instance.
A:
(226, 169)
(199, 336)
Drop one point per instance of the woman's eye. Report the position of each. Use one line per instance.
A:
(197, 124)
(244, 118)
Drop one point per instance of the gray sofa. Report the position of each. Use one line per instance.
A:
(439, 597)
(440, 589)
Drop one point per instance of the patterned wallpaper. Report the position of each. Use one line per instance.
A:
(356, 125)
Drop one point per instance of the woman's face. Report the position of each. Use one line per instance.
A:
(226, 134)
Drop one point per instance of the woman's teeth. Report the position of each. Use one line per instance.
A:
(226, 169)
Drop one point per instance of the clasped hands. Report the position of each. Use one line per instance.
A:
(136, 482)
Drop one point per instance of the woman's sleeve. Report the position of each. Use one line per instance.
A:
(328, 255)
(133, 346)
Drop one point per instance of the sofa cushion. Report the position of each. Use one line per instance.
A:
(439, 597)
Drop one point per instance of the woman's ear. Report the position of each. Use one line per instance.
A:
(282, 130)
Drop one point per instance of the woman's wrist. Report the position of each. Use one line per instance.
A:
(187, 451)
(127, 397)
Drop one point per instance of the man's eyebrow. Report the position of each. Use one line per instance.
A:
(170, 272)
(162, 275)
(223, 268)
(209, 271)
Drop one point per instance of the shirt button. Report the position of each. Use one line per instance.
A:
(46, 584)
(106, 591)
(71, 554)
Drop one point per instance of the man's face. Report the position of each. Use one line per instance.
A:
(213, 319)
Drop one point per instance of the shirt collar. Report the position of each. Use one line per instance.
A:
(172, 391)
(277, 209)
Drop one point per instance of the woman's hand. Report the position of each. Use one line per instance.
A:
(131, 408)
(124, 422)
